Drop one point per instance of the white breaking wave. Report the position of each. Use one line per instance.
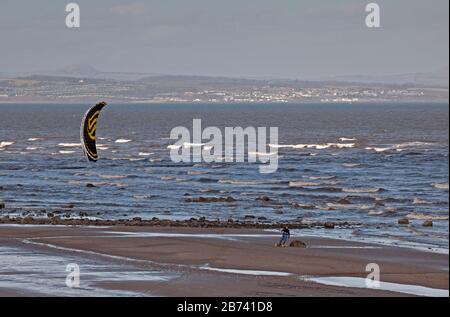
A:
(399, 147)
(144, 154)
(33, 148)
(69, 144)
(187, 145)
(34, 139)
(174, 147)
(347, 139)
(378, 149)
(123, 141)
(263, 154)
(375, 213)
(66, 152)
(303, 184)
(314, 146)
(356, 206)
(358, 282)
(351, 164)
(421, 216)
(4, 144)
(342, 145)
(441, 186)
(321, 177)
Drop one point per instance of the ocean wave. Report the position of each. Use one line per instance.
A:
(413, 144)
(66, 152)
(84, 183)
(262, 153)
(241, 182)
(5, 144)
(322, 188)
(112, 176)
(303, 184)
(440, 186)
(350, 165)
(418, 201)
(422, 216)
(348, 206)
(173, 147)
(136, 159)
(130, 159)
(314, 146)
(399, 147)
(197, 172)
(375, 212)
(303, 206)
(363, 190)
(69, 145)
(33, 148)
(341, 145)
(382, 149)
(210, 190)
(347, 139)
(393, 200)
(144, 196)
(167, 178)
(35, 139)
(321, 177)
(121, 141)
(144, 154)
(188, 145)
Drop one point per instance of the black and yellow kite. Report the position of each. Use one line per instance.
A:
(88, 129)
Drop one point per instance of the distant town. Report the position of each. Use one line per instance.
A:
(200, 89)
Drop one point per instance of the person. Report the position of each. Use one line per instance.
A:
(285, 235)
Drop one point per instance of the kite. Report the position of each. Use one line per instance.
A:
(88, 129)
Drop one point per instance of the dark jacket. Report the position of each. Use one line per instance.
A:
(286, 231)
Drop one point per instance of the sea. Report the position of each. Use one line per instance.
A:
(366, 164)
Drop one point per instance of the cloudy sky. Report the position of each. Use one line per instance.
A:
(250, 38)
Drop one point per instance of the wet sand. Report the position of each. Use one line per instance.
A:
(227, 262)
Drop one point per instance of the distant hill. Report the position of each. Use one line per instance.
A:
(439, 78)
(82, 70)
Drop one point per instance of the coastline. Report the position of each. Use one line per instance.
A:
(250, 223)
(210, 261)
(153, 103)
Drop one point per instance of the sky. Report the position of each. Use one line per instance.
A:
(304, 39)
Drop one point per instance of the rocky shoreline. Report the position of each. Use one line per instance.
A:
(155, 222)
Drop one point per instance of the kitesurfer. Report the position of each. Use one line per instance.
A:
(285, 235)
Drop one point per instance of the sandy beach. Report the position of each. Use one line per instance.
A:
(157, 261)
